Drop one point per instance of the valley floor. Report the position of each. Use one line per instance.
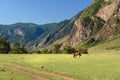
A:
(97, 65)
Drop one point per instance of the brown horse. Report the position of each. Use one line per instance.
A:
(77, 54)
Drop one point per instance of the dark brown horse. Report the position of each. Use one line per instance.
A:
(77, 54)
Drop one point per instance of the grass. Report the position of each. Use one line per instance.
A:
(60, 41)
(89, 67)
(6, 74)
(93, 9)
(109, 45)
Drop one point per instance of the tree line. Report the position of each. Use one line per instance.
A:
(19, 48)
(67, 49)
(16, 48)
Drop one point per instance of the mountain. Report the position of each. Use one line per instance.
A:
(98, 23)
(20, 32)
(59, 34)
(36, 36)
(50, 35)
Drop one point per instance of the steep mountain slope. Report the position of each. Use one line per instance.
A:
(99, 22)
(35, 36)
(59, 34)
(50, 37)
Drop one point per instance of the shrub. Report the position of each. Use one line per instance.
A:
(56, 48)
(45, 51)
(19, 48)
(69, 50)
(38, 52)
(50, 51)
(83, 50)
(116, 20)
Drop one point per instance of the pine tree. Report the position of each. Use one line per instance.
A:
(19, 48)
(4, 45)
(23, 49)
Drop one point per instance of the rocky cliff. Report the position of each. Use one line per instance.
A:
(112, 18)
(100, 21)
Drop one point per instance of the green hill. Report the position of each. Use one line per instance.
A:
(109, 45)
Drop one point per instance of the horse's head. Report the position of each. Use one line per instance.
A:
(79, 53)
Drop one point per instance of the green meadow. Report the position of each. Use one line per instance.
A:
(92, 66)
(6, 74)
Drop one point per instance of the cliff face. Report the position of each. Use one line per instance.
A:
(100, 21)
(79, 33)
(112, 18)
(107, 11)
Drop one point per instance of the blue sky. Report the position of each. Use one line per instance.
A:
(39, 11)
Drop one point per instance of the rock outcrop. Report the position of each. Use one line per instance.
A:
(106, 12)
(111, 26)
(78, 33)
(102, 25)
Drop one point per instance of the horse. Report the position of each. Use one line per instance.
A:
(77, 54)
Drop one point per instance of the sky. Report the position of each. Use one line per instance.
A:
(39, 11)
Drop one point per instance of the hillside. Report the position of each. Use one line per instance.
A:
(35, 36)
(58, 35)
(49, 37)
(109, 45)
(100, 22)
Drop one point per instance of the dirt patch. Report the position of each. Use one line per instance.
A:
(41, 71)
(50, 73)
(37, 77)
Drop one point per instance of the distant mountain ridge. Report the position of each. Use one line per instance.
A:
(19, 32)
(36, 36)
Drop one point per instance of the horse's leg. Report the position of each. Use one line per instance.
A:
(79, 55)
(73, 56)
(76, 56)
